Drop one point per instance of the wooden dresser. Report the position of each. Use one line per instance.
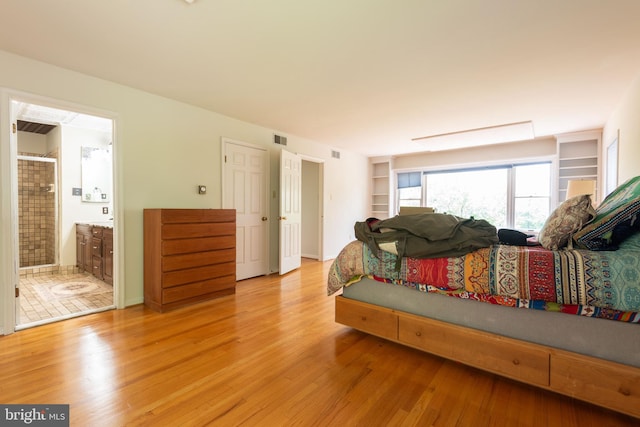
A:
(189, 256)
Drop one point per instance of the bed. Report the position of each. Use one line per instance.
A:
(563, 316)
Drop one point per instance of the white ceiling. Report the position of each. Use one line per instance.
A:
(363, 75)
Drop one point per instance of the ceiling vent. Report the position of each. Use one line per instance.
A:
(282, 140)
(33, 127)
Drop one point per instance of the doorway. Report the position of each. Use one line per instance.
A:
(51, 201)
(312, 214)
(243, 189)
(301, 210)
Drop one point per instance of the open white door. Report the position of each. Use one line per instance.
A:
(290, 211)
(14, 215)
(245, 176)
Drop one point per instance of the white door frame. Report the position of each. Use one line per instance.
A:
(9, 248)
(9, 253)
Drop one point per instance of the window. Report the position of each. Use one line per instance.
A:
(481, 194)
(409, 189)
(532, 196)
(510, 196)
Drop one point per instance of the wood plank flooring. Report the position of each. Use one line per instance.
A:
(271, 355)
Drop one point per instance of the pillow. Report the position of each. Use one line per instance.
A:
(615, 219)
(565, 220)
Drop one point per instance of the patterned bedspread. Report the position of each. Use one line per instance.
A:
(604, 284)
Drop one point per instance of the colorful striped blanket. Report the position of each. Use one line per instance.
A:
(603, 284)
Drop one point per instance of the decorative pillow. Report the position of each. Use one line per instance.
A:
(615, 219)
(565, 220)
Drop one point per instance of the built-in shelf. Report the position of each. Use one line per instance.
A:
(578, 158)
(380, 188)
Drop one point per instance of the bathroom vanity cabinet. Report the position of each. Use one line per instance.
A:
(107, 255)
(83, 247)
(94, 250)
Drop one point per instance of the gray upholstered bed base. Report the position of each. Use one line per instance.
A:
(605, 339)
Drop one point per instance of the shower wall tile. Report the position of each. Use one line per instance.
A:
(36, 212)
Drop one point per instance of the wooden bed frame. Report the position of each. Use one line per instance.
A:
(608, 384)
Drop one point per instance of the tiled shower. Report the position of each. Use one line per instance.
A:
(37, 210)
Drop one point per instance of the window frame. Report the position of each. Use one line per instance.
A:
(511, 199)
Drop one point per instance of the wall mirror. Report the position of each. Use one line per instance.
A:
(96, 175)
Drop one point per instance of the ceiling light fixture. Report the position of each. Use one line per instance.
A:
(511, 132)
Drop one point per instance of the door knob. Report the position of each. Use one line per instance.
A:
(264, 218)
(283, 218)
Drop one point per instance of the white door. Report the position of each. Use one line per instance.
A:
(244, 189)
(14, 214)
(290, 211)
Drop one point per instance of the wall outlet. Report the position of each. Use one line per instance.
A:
(105, 210)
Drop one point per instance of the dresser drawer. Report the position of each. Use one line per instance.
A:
(608, 384)
(83, 229)
(96, 247)
(96, 267)
(475, 348)
(96, 232)
(380, 322)
(199, 274)
(185, 293)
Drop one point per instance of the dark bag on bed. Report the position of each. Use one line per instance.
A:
(512, 237)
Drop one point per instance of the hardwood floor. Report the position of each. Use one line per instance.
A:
(270, 355)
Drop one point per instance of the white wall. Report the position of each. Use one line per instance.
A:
(626, 118)
(163, 149)
(539, 148)
(32, 143)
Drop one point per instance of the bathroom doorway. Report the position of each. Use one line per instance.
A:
(51, 202)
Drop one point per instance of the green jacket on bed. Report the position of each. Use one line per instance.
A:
(430, 235)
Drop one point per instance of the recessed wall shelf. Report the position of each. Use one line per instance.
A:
(578, 158)
(380, 169)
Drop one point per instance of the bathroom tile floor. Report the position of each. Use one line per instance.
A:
(53, 295)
